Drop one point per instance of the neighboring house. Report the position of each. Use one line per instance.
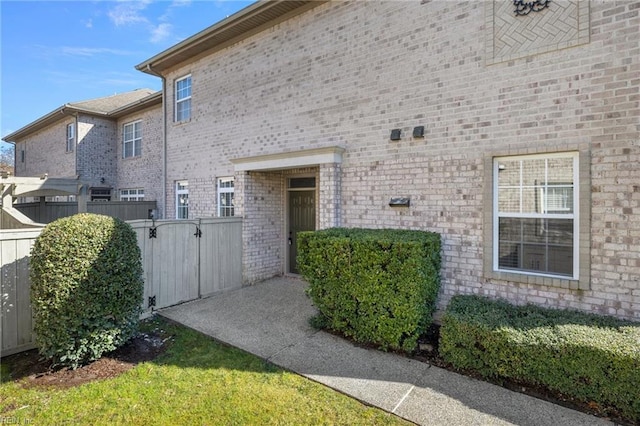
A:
(514, 136)
(114, 144)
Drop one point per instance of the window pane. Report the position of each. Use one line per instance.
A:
(531, 200)
(128, 132)
(508, 256)
(509, 200)
(183, 88)
(128, 149)
(536, 245)
(183, 110)
(533, 230)
(560, 232)
(225, 182)
(509, 172)
(560, 170)
(533, 172)
(559, 199)
(309, 182)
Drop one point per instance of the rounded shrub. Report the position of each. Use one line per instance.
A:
(86, 287)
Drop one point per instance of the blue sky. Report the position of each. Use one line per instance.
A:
(54, 52)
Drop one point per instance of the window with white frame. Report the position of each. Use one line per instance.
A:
(135, 194)
(535, 214)
(182, 199)
(183, 99)
(132, 139)
(225, 197)
(71, 136)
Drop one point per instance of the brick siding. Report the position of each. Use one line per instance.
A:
(346, 73)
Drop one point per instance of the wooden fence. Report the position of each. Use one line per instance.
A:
(185, 260)
(47, 212)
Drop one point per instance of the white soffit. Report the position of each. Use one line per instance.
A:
(289, 160)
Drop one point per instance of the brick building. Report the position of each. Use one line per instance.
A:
(510, 129)
(113, 144)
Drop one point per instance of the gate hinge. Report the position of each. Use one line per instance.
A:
(198, 233)
(153, 232)
(152, 301)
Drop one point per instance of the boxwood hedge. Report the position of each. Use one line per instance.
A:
(591, 358)
(376, 286)
(86, 287)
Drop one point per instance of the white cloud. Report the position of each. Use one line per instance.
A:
(129, 13)
(161, 32)
(92, 51)
(88, 23)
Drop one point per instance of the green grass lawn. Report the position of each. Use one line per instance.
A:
(196, 381)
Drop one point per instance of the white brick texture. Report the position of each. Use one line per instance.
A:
(346, 73)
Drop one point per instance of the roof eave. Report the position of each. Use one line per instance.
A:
(146, 102)
(224, 30)
(44, 121)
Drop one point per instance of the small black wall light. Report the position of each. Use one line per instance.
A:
(400, 202)
(418, 132)
(395, 134)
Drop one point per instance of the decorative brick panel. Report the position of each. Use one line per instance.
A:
(565, 23)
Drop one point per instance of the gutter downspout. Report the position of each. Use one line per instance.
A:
(164, 139)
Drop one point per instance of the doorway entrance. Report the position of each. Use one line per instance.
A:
(301, 200)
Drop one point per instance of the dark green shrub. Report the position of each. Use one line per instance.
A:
(86, 287)
(589, 357)
(376, 286)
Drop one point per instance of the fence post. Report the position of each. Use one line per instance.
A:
(82, 199)
(199, 228)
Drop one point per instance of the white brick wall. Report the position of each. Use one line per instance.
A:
(347, 73)
(46, 152)
(97, 145)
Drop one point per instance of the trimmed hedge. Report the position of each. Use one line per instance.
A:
(589, 357)
(376, 286)
(86, 287)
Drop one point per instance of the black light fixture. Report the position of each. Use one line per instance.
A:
(395, 134)
(418, 132)
(400, 202)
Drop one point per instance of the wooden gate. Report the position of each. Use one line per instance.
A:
(187, 259)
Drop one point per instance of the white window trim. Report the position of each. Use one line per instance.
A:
(575, 216)
(133, 141)
(182, 192)
(224, 190)
(181, 100)
(71, 140)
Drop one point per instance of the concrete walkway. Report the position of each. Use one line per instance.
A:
(270, 321)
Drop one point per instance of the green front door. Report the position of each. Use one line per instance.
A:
(302, 217)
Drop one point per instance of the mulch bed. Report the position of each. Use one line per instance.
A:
(37, 372)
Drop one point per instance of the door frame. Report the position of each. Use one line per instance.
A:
(286, 221)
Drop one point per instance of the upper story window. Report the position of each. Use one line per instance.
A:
(225, 197)
(132, 139)
(71, 136)
(182, 199)
(132, 194)
(535, 215)
(183, 99)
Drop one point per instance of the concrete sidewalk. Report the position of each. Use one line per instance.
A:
(270, 321)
